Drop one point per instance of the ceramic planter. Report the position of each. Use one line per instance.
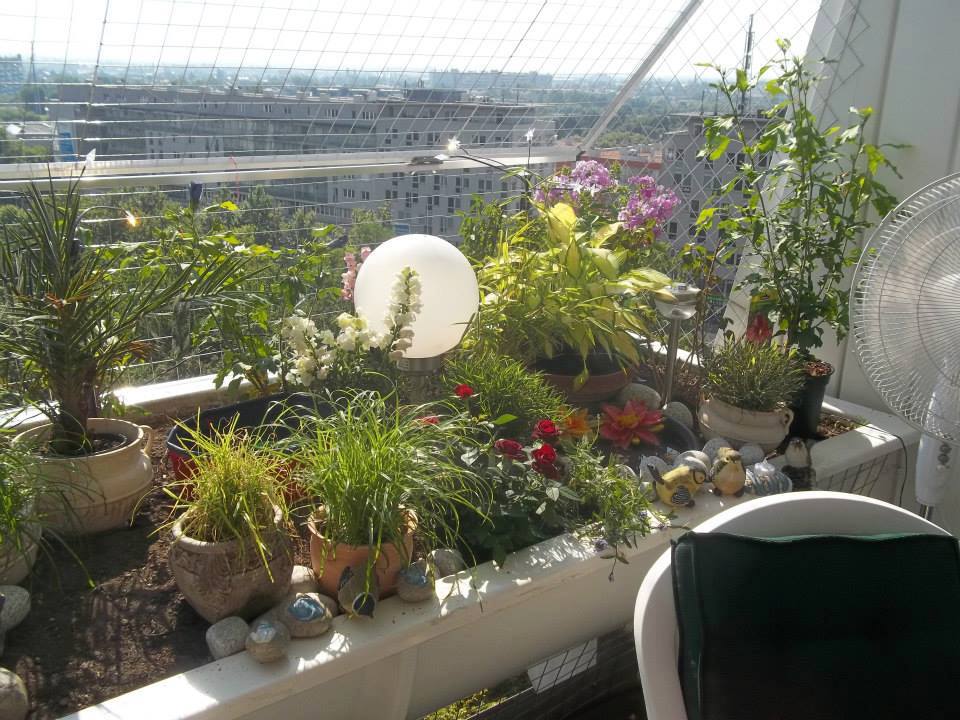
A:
(766, 429)
(97, 492)
(329, 560)
(220, 579)
(16, 563)
(605, 380)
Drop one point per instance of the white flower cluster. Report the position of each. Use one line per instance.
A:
(316, 353)
(402, 311)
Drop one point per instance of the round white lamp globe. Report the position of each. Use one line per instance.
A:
(449, 293)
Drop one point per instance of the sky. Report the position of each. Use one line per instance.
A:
(561, 37)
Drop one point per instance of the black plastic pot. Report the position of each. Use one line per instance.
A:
(806, 408)
(273, 417)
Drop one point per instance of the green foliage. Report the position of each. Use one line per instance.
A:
(753, 376)
(505, 388)
(485, 226)
(73, 308)
(234, 493)
(370, 227)
(20, 488)
(370, 463)
(565, 293)
(826, 182)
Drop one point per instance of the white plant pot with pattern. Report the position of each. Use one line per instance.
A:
(739, 426)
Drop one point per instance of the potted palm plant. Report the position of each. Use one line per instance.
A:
(378, 474)
(747, 386)
(70, 327)
(807, 188)
(231, 552)
(557, 297)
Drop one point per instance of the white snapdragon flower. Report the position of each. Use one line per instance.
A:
(344, 320)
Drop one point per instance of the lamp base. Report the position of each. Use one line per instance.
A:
(420, 366)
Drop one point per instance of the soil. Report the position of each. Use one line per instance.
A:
(832, 425)
(818, 368)
(99, 442)
(80, 645)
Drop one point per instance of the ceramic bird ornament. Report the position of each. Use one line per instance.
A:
(799, 466)
(357, 597)
(729, 476)
(677, 487)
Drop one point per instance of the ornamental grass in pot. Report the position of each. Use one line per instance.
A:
(231, 550)
(747, 386)
(73, 315)
(380, 473)
(20, 529)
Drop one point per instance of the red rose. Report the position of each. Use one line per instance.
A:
(509, 448)
(545, 430)
(548, 470)
(428, 420)
(545, 454)
(463, 391)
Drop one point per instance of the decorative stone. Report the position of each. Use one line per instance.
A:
(765, 479)
(751, 454)
(306, 616)
(627, 472)
(651, 460)
(670, 455)
(702, 457)
(303, 580)
(639, 392)
(446, 561)
(268, 642)
(16, 606)
(227, 637)
(713, 445)
(414, 583)
(678, 411)
(14, 701)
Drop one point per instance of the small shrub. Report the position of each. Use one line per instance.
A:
(753, 376)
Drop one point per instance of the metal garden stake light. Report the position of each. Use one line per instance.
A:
(676, 303)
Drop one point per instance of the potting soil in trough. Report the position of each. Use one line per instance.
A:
(80, 646)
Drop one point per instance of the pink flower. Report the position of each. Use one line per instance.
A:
(632, 424)
(759, 330)
(428, 420)
(364, 253)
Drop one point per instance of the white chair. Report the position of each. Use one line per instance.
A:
(807, 513)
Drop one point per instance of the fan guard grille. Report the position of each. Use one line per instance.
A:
(905, 309)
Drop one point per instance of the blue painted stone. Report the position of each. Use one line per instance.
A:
(307, 616)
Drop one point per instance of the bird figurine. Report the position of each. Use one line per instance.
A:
(798, 466)
(728, 475)
(357, 596)
(677, 487)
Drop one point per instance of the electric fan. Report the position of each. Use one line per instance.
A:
(905, 319)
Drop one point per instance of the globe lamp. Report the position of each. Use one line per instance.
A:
(449, 295)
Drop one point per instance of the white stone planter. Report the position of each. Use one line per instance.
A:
(95, 492)
(739, 426)
(483, 626)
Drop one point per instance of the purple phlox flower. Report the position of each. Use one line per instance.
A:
(648, 211)
(592, 176)
(350, 276)
(643, 184)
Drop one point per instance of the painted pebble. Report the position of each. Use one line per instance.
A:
(413, 584)
(306, 616)
(268, 642)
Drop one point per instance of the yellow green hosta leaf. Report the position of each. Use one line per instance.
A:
(571, 260)
(606, 261)
(605, 232)
(560, 221)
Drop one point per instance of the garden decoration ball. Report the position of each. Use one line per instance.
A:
(677, 487)
(357, 596)
(729, 476)
(448, 291)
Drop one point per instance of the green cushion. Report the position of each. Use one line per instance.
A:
(818, 627)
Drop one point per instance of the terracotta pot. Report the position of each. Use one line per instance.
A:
(329, 561)
(16, 563)
(766, 429)
(226, 578)
(92, 493)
